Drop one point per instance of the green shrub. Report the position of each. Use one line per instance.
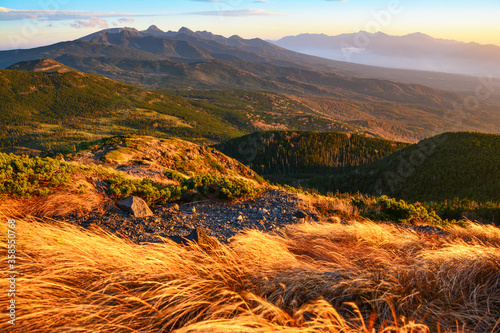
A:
(227, 188)
(259, 179)
(24, 177)
(153, 193)
(400, 211)
(174, 175)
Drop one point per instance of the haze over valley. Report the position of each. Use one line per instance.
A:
(415, 51)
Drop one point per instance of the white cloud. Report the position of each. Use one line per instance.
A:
(93, 22)
(262, 1)
(238, 12)
(336, 0)
(7, 14)
(126, 19)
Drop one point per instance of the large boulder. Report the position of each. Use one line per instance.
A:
(135, 206)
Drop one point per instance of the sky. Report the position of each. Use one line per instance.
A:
(32, 23)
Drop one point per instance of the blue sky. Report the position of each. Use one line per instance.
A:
(31, 23)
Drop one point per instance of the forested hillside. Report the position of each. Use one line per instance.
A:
(56, 107)
(451, 165)
(293, 153)
(461, 165)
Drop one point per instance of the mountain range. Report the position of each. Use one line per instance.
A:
(105, 48)
(415, 51)
(183, 61)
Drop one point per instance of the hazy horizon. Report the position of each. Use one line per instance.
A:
(29, 23)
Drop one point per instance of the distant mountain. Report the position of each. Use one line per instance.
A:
(204, 46)
(415, 51)
(79, 48)
(196, 46)
(282, 70)
(186, 60)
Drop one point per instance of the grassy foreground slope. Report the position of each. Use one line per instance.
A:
(354, 276)
(310, 278)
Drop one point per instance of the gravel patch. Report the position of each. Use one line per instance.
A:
(271, 211)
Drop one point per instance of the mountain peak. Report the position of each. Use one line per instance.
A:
(154, 28)
(125, 31)
(42, 65)
(120, 30)
(418, 35)
(186, 31)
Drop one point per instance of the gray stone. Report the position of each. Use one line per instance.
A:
(135, 206)
(100, 185)
(301, 215)
(192, 196)
(197, 235)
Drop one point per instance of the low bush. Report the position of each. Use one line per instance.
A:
(152, 192)
(174, 175)
(24, 177)
(226, 187)
(384, 208)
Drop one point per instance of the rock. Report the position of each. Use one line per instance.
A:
(100, 185)
(112, 208)
(300, 214)
(135, 206)
(175, 207)
(263, 211)
(192, 237)
(192, 196)
(197, 235)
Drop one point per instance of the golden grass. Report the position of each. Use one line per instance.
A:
(328, 206)
(362, 277)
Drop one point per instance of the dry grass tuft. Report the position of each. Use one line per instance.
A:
(315, 277)
(330, 205)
